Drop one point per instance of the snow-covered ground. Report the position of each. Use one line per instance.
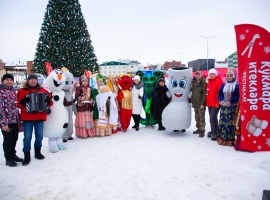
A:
(144, 164)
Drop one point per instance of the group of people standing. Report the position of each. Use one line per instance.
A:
(98, 110)
(217, 97)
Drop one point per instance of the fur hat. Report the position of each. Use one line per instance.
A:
(231, 71)
(137, 78)
(212, 71)
(7, 76)
(32, 76)
(83, 78)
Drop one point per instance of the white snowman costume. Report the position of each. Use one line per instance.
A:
(177, 114)
(57, 120)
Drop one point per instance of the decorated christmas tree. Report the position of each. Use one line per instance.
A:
(64, 40)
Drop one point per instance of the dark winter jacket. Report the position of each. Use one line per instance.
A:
(198, 92)
(8, 109)
(213, 87)
(161, 100)
(31, 116)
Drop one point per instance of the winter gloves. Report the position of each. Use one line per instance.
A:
(25, 100)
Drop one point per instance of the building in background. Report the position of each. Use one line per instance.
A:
(114, 67)
(18, 70)
(201, 64)
(233, 60)
(170, 64)
(221, 64)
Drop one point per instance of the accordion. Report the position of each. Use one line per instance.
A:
(37, 102)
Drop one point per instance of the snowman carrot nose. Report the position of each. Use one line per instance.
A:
(59, 76)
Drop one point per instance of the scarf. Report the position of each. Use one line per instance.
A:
(103, 120)
(228, 90)
(138, 86)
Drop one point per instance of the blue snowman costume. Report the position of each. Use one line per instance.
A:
(57, 121)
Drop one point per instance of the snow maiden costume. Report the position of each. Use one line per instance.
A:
(57, 120)
(68, 89)
(228, 97)
(177, 115)
(108, 113)
(114, 87)
(149, 79)
(84, 124)
(125, 97)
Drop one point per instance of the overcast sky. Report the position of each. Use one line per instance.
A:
(151, 31)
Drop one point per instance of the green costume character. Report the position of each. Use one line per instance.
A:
(149, 78)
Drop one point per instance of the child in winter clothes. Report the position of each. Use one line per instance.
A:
(137, 93)
(162, 99)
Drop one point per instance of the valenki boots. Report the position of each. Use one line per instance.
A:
(259, 123)
(38, 155)
(26, 159)
(253, 130)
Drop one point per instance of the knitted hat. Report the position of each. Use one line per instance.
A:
(161, 79)
(212, 71)
(137, 78)
(32, 76)
(7, 76)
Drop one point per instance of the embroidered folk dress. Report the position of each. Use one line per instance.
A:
(84, 125)
(229, 94)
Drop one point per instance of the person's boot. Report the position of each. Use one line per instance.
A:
(196, 132)
(214, 137)
(201, 134)
(137, 128)
(17, 159)
(26, 159)
(38, 155)
(209, 134)
(134, 126)
(11, 163)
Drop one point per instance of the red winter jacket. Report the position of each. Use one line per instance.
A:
(32, 116)
(212, 91)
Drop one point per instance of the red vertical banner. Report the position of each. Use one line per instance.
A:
(48, 68)
(253, 49)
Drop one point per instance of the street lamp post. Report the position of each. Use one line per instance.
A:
(180, 56)
(207, 48)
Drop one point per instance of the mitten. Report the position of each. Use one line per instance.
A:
(25, 100)
(168, 94)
